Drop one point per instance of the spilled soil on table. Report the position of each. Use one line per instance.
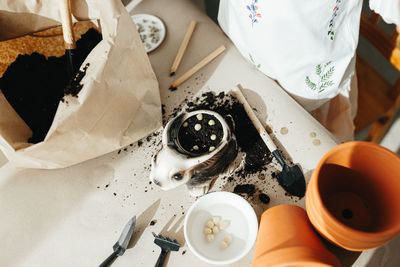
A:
(256, 156)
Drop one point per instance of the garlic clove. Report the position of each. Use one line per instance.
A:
(210, 224)
(207, 231)
(210, 238)
(215, 229)
(228, 239)
(216, 219)
(197, 127)
(223, 245)
(223, 225)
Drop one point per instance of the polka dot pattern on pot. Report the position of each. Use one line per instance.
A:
(197, 135)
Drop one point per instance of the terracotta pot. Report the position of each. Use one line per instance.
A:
(286, 238)
(353, 197)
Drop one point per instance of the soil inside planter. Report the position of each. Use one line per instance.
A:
(257, 155)
(248, 139)
(34, 85)
(203, 140)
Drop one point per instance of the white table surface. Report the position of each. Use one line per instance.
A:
(73, 216)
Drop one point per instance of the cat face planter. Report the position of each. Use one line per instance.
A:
(196, 147)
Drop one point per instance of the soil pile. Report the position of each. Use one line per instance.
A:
(34, 85)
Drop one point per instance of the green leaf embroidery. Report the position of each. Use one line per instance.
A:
(318, 69)
(323, 76)
(251, 59)
(254, 63)
(310, 83)
(325, 85)
(328, 74)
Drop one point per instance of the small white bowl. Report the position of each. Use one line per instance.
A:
(243, 227)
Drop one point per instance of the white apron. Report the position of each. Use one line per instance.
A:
(308, 46)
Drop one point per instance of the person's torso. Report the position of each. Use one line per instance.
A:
(308, 46)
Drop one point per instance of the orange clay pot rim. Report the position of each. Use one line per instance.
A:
(318, 196)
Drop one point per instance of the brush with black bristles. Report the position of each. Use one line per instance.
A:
(69, 38)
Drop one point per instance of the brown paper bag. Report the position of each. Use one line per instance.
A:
(118, 104)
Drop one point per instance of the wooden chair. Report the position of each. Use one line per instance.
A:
(378, 100)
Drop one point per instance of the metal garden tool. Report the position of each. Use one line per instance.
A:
(291, 178)
(122, 243)
(166, 246)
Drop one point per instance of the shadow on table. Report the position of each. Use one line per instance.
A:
(173, 229)
(258, 105)
(346, 258)
(143, 221)
(386, 256)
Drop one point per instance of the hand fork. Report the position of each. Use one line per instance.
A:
(166, 246)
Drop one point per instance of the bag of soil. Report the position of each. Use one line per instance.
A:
(118, 102)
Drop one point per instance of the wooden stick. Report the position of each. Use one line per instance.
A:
(196, 67)
(257, 124)
(66, 21)
(182, 48)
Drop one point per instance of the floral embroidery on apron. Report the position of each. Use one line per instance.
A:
(254, 14)
(331, 32)
(323, 80)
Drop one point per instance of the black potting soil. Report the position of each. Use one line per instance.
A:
(264, 198)
(248, 189)
(74, 86)
(248, 139)
(200, 133)
(257, 155)
(34, 85)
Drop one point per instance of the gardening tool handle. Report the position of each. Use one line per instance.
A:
(107, 262)
(161, 258)
(278, 157)
(66, 21)
(267, 139)
(257, 124)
